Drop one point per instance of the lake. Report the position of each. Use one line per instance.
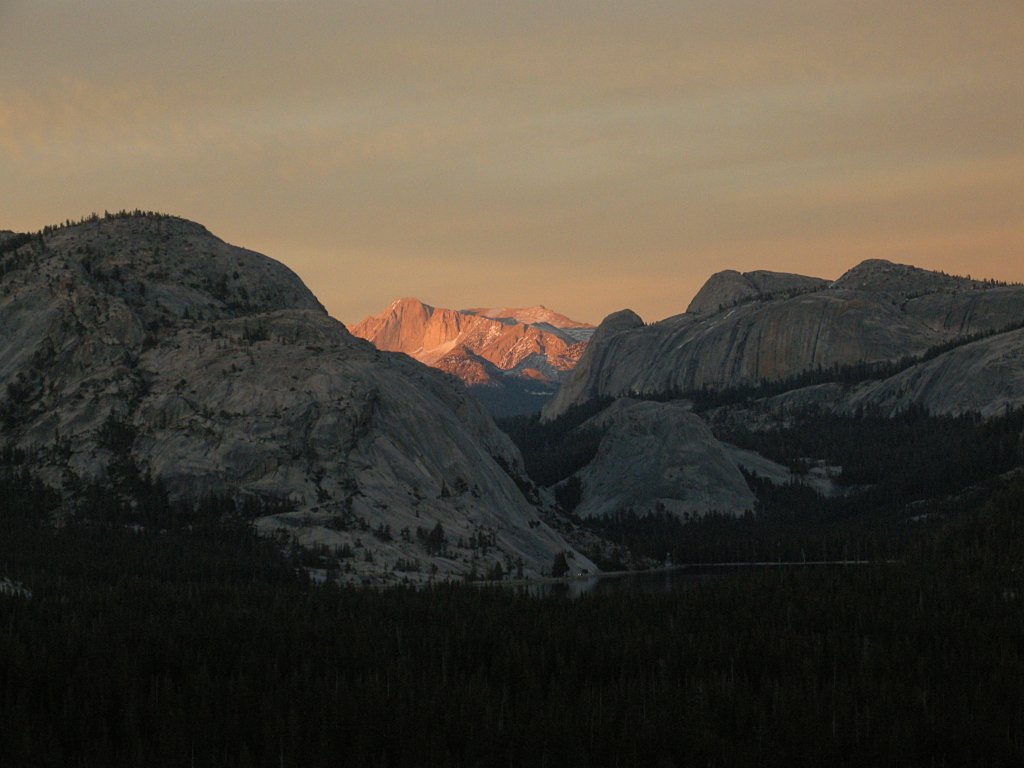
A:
(661, 580)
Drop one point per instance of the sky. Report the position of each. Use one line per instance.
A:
(588, 156)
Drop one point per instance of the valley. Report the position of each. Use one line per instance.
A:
(199, 464)
(154, 375)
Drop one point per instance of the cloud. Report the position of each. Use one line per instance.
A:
(573, 149)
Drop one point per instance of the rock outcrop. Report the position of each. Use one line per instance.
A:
(729, 288)
(875, 312)
(660, 457)
(986, 377)
(145, 339)
(513, 359)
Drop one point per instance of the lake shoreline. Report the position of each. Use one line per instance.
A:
(694, 569)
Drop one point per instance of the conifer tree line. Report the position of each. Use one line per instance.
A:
(206, 647)
(893, 473)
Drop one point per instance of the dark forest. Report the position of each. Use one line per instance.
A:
(208, 647)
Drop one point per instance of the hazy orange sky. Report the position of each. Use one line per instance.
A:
(584, 155)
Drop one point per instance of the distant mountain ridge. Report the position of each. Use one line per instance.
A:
(540, 317)
(512, 358)
(742, 329)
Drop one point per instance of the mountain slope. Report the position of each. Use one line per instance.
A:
(742, 329)
(985, 376)
(146, 342)
(657, 457)
(540, 317)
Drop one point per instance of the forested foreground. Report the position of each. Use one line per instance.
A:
(204, 649)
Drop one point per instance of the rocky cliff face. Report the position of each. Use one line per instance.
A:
(740, 330)
(984, 376)
(512, 358)
(213, 368)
